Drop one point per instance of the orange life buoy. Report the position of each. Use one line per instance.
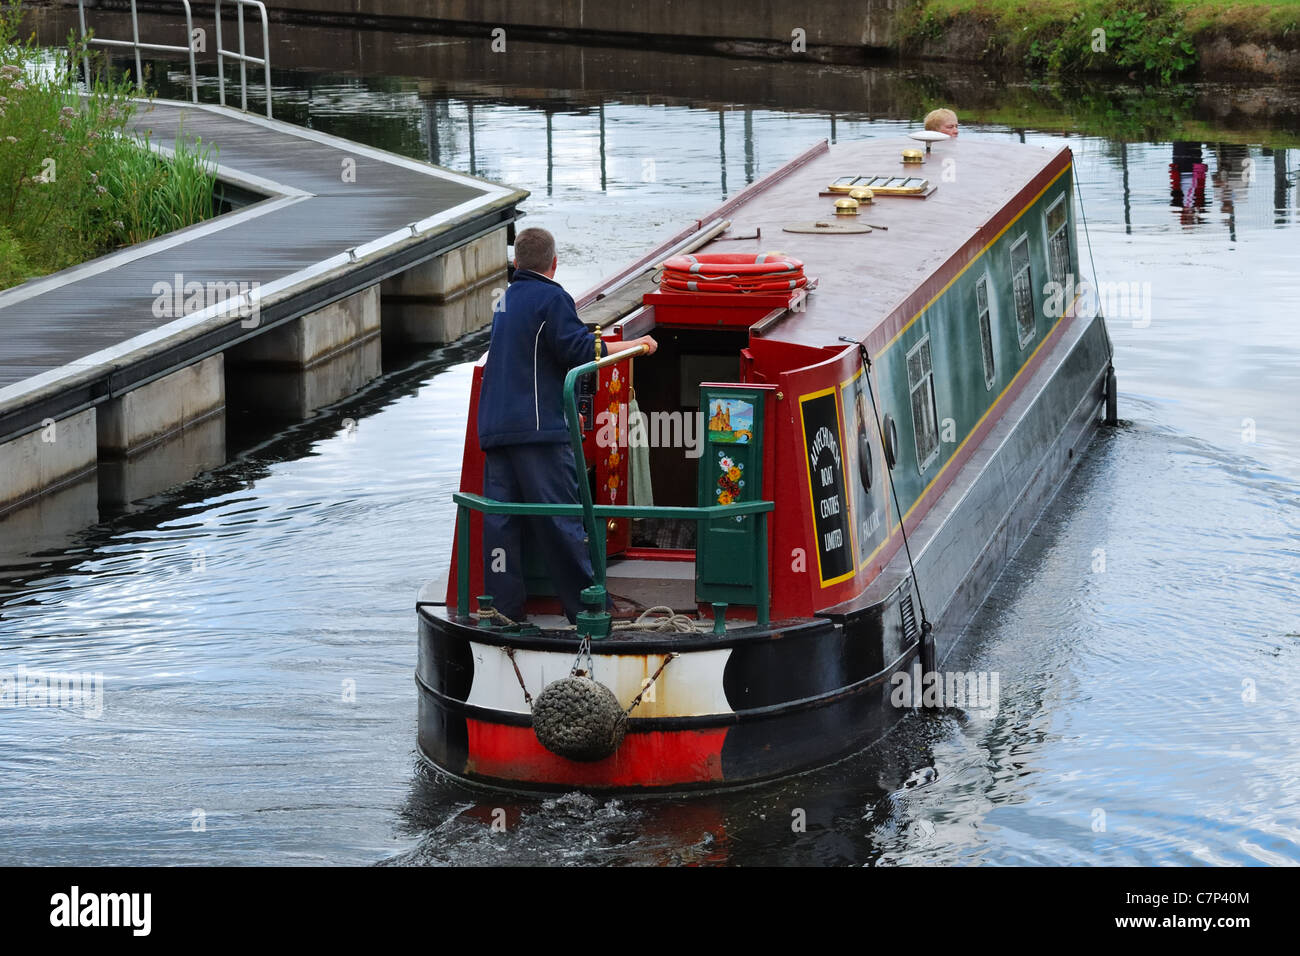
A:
(765, 263)
(696, 284)
(744, 272)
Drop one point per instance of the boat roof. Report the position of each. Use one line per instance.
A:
(871, 284)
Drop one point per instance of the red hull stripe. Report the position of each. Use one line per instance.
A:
(654, 759)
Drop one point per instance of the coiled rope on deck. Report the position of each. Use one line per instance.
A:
(671, 622)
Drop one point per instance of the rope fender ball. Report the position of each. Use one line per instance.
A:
(579, 719)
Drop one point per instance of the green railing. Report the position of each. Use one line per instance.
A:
(595, 621)
(467, 502)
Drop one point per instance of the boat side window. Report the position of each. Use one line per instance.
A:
(925, 418)
(986, 329)
(1058, 241)
(1022, 286)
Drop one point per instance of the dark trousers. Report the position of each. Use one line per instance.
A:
(541, 473)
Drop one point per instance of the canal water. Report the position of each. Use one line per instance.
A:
(255, 628)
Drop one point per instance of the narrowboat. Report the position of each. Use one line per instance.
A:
(875, 367)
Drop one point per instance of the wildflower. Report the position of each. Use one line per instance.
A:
(100, 190)
(20, 86)
(11, 139)
(94, 177)
(67, 111)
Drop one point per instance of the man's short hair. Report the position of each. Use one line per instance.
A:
(935, 119)
(534, 250)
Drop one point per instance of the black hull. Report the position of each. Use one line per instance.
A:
(765, 703)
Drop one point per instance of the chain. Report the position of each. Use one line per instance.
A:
(650, 683)
(584, 650)
(528, 698)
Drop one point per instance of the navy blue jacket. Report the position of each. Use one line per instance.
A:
(536, 338)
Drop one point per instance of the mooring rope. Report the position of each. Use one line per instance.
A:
(528, 698)
(672, 622)
(926, 626)
(1110, 346)
(650, 683)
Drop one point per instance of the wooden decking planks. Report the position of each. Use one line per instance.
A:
(331, 196)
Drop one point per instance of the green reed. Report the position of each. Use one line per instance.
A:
(75, 183)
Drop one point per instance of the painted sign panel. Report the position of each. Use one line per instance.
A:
(823, 454)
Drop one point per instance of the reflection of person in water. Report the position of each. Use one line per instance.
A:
(1187, 179)
(1232, 174)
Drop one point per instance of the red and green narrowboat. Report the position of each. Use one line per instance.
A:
(828, 475)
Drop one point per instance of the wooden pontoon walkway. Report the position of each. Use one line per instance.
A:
(338, 218)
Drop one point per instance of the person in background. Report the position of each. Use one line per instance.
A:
(537, 338)
(942, 120)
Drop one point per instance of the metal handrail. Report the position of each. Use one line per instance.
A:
(467, 502)
(137, 46)
(571, 416)
(244, 59)
(594, 622)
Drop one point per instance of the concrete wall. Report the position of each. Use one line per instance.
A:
(61, 452)
(162, 434)
(441, 300)
(316, 336)
(742, 26)
(152, 412)
(826, 22)
(288, 372)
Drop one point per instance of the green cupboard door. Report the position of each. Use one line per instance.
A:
(731, 470)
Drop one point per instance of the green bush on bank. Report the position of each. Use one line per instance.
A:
(1146, 37)
(74, 184)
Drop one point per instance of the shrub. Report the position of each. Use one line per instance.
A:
(74, 183)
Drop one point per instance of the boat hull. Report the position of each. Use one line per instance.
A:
(783, 699)
(757, 704)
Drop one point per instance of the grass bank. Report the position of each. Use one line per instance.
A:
(74, 183)
(1167, 39)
